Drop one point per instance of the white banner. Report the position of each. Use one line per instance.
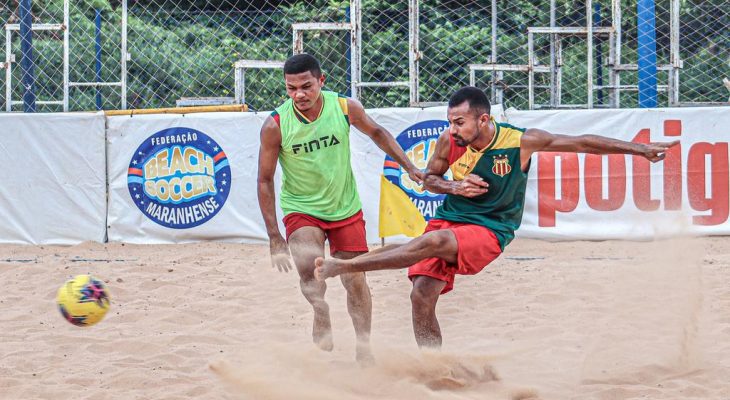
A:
(578, 197)
(626, 197)
(53, 188)
(199, 178)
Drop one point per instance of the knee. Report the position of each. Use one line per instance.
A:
(312, 288)
(435, 239)
(423, 297)
(354, 281)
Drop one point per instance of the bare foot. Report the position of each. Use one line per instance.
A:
(364, 355)
(324, 269)
(445, 383)
(322, 330)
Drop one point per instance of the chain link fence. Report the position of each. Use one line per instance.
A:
(76, 48)
(185, 49)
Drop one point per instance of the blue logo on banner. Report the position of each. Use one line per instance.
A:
(179, 178)
(418, 142)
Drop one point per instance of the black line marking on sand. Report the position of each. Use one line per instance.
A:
(525, 258)
(107, 260)
(19, 260)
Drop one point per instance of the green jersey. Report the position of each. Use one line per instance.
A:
(315, 160)
(500, 209)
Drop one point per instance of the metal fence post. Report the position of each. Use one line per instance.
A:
(599, 54)
(356, 47)
(496, 76)
(125, 56)
(675, 61)
(97, 45)
(554, 96)
(414, 53)
(589, 61)
(646, 27)
(66, 54)
(26, 62)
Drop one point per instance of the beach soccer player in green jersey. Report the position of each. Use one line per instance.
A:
(309, 135)
(483, 205)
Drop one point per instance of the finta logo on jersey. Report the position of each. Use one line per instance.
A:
(179, 178)
(316, 144)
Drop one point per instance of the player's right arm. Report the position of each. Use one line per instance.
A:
(471, 186)
(268, 156)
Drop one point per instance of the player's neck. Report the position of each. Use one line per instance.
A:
(485, 137)
(315, 111)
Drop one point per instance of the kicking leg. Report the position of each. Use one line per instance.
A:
(359, 306)
(425, 294)
(306, 244)
(440, 243)
(381, 249)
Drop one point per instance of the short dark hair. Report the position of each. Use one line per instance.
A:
(477, 99)
(300, 63)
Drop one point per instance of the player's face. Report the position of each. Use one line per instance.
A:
(304, 89)
(463, 124)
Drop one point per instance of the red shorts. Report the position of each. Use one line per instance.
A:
(344, 235)
(477, 247)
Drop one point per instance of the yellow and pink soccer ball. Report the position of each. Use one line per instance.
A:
(83, 300)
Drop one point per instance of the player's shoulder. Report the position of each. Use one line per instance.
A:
(274, 117)
(280, 111)
(343, 100)
(535, 139)
(504, 126)
(272, 124)
(348, 105)
(444, 140)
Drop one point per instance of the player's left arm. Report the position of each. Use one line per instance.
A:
(362, 121)
(534, 140)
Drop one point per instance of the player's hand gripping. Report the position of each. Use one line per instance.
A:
(471, 186)
(416, 175)
(280, 254)
(657, 151)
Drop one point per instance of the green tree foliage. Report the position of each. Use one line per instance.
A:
(187, 48)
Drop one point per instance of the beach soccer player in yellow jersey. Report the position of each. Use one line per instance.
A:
(483, 205)
(310, 137)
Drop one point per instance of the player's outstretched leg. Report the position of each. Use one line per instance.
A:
(441, 244)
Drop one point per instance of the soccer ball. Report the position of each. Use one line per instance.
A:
(83, 300)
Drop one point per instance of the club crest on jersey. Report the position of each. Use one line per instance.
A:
(501, 165)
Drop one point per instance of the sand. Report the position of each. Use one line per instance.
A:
(569, 320)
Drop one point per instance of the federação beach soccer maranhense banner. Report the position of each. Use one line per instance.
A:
(179, 177)
(176, 178)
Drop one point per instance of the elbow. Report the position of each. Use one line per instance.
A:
(378, 135)
(593, 144)
(264, 181)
